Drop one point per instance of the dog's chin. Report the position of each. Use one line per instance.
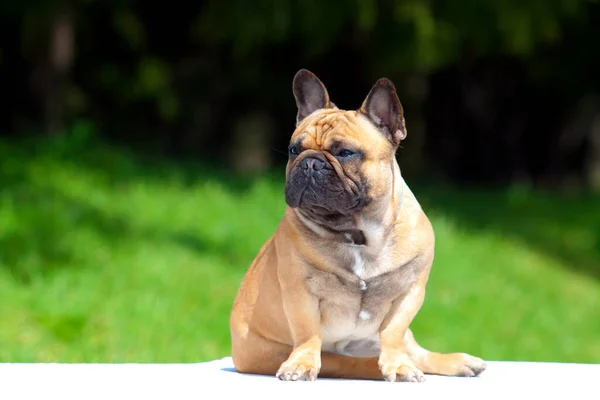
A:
(330, 210)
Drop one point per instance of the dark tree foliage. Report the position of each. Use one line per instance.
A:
(494, 91)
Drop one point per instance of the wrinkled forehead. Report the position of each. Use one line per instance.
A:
(326, 126)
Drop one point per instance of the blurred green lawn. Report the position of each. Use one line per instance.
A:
(105, 258)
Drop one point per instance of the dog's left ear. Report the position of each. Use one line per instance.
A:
(383, 108)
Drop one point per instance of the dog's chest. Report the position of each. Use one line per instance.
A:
(354, 301)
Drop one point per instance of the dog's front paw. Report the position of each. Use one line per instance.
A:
(303, 369)
(399, 368)
(402, 373)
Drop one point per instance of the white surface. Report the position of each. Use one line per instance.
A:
(218, 380)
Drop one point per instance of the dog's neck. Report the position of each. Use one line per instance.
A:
(366, 228)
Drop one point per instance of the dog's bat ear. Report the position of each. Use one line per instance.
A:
(383, 108)
(310, 94)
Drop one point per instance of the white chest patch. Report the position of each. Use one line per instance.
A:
(359, 263)
(364, 315)
(363, 285)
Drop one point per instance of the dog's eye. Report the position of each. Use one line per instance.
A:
(345, 153)
(294, 150)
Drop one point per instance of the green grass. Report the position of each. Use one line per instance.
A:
(106, 258)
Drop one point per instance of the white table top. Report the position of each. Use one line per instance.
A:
(218, 379)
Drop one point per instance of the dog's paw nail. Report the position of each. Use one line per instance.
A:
(479, 368)
(471, 366)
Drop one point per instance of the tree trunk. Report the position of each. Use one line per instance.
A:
(60, 59)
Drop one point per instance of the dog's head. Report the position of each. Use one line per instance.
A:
(341, 161)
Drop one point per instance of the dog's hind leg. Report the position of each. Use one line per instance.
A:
(451, 364)
(253, 354)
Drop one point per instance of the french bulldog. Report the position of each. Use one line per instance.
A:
(333, 291)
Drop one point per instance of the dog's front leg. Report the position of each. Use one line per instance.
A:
(304, 319)
(394, 361)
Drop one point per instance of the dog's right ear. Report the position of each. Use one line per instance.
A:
(310, 94)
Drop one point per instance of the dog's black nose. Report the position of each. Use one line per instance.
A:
(313, 163)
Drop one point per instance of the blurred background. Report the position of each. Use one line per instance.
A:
(143, 145)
